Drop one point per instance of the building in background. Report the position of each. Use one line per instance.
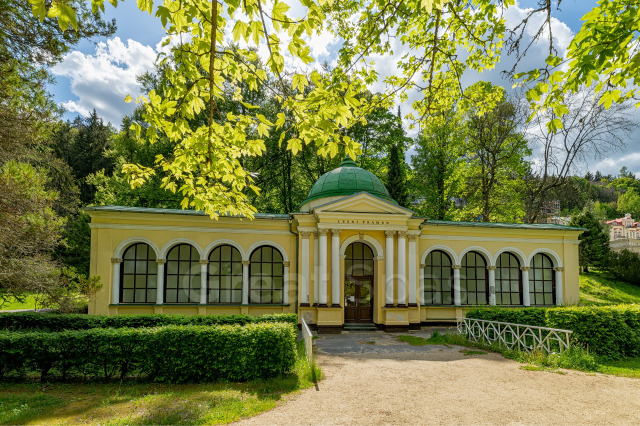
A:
(624, 233)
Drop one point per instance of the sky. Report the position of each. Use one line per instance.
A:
(101, 72)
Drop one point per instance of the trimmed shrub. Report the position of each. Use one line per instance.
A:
(175, 354)
(611, 332)
(59, 322)
(529, 316)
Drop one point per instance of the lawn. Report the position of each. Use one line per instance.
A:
(597, 289)
(136, 403)
(31, 301)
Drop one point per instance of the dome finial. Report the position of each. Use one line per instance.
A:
(348, 162)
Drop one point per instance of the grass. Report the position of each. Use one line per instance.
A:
(135, 403)
(598, 289)
(435, 339)
(468, 352)
(629, 367)
(31, 301)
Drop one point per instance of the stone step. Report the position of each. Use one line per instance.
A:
(360, 327)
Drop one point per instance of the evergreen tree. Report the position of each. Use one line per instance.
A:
(396, 176)
(589, 176)
(594, 242)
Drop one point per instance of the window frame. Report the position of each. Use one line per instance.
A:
(464, 280)
(135, 274)
(533, 281)
(499, 281)
(426, 279)
(271, 288)
(220, 276)
(192, 251)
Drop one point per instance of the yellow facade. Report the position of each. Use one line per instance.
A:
(314, 277)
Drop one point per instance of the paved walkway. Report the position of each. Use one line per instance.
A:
(374, 379)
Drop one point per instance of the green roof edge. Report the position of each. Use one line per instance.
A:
(152, 210)
(546, 226)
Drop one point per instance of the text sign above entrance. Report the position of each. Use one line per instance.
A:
(363, 222)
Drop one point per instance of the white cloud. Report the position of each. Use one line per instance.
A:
(101, 80)
(613, 165)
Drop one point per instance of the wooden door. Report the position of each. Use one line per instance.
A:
(358, 299)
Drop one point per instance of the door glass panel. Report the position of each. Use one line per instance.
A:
(365, 293)
(349, 293)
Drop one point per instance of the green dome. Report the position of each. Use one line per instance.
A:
(347, 179)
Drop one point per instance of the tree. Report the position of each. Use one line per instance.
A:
(629, 202)
(589, 176)
(396, 176)
(588, 130)
(594, 241)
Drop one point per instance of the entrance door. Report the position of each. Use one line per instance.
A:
(358, 299)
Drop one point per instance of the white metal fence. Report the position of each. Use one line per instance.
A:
(515, 336)
(308, 341)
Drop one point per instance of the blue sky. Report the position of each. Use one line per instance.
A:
(100, 73)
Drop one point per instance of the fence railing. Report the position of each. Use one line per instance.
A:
(515, 336)
(308, 341)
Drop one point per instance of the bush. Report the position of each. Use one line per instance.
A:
(611, 332)
(175, 354)
(624, 266)
(59, 322)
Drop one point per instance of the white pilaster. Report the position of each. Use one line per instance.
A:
(245, 282)
(115, 286)
(422, 265)
(160, 281)
(388, 257)
(322, 299)
(492, 285)
(204, 281)
(285, 284)
(304, 268)
(413, 282)
(558, 272)
(316, 268)
(456, 285)
(335, 267)
(402, 268)
(526, 295)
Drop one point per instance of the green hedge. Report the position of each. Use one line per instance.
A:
(175, 354)
(612, 332)
(59, 322)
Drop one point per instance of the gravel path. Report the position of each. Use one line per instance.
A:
(389, 382)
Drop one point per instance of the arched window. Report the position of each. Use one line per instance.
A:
(542, 283)
(182, 275)
(225, 275)
(266, 276)
(474, 280)
(438, 279)
(358, 260)
(508, 280)
(138, 275)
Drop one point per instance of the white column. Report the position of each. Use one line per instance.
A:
(245, 282)
(558, 272)
(115, 287)
(492, 285)
(526, 296)
(389, 256)
(422, 265)
(304, 268)
(412, 270)
(322, 300)
(160, 290)
(335, 267)
(203, 281)
(456, 285)
(316, 268)
(402, 268)
(285, 284)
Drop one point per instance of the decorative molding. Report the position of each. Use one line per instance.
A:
(220, 242)
(361, 235)
(273, 244)
(413, 237)
(499, 239)
(456, 267)
(524, 268)
(491, 268)
(245, 263)
(286, 263)
(305, 234)
(189, 229)
(558, 268)
(335, 232)
(204, 261)
(389, 234)
(422, 265)
(402, 234)
(116, 260)
(162, 261)
(322, 231)
(169, 245)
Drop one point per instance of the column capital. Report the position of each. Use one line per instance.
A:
(524, 268)
(491, 268)
(402, 234)
(558, 268)
(204, 261)
(422, 265)
(286, 263)
(335, 232)
(116, 260)
(323, 231)
(245, 263)
(389, 234)
(456, 267)
(161, 261)
(413, 237)
(305, 234)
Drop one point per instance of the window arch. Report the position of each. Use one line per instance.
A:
(508, 280)
(542, 281)
(474, 279)
(358, 260)
(438, 279)
(266, 279)
(182, 275)
(225, 275)
(138, 275)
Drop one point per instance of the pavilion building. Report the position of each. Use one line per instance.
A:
(350, 255)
